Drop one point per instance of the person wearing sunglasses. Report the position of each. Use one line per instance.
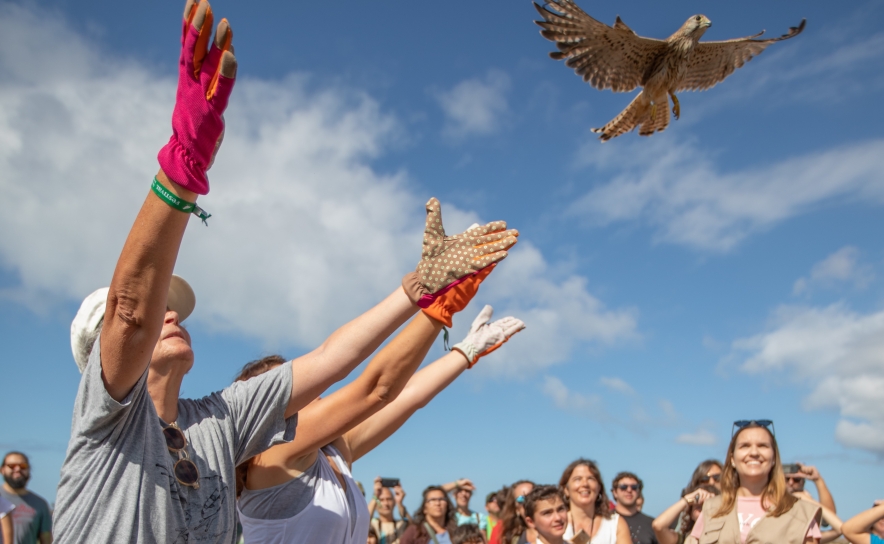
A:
(866, 527)
(796, 476)
(512, 528)
(32, 519)
(434, 522)
(707, 473)
(590, 515)
(754, 503)
(627, 489)
(302, 492)
(143, 465)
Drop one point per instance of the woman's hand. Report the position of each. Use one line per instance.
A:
(697, 497)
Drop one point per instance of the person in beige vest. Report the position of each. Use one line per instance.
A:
(754, 506)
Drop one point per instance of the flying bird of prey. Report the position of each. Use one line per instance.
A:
(617, 58)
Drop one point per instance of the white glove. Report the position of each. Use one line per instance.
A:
(485, 337)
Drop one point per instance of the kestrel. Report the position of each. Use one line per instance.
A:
(617, 58)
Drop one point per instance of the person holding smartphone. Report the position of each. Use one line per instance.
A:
(754, 500)
(687, 509)
(388, 493)
(798, 473)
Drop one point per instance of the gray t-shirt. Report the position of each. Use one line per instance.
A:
(30, 518)
(117, 483)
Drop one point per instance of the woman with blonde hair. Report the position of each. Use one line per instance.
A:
(755, 506)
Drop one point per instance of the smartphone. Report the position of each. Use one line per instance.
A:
(791, 468)
(581, 538)
(389, 482)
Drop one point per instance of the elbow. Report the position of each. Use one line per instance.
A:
(126, 310)
(384, 393)
(657, 525)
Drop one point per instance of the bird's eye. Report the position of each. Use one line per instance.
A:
(697, 17)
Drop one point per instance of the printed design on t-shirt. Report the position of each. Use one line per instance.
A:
(747, 521)
(201, 507)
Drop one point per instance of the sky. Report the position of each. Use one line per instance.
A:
(728, 268)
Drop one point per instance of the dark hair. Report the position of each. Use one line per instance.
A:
(512, 521)
(249, 371)
(699, 475)
(420, 517)
(541, 493)
(28, 461)
(373, 533)
(687, 522)
(602, 504)
(621, 475)
(467, 534)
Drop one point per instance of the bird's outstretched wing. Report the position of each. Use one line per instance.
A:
(606, 57)
(711, 62)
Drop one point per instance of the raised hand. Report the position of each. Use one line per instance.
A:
(446, 260)
(485, 337)
(205, 81)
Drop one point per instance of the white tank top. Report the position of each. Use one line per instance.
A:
(334, 515)
(607, 531)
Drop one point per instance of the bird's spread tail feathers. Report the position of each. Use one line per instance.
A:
(637, 114)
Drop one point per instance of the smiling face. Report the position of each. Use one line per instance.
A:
(583, 487)
(626, 492)
(754, 455)
(550, 519)
(173, 346)
(16, 471)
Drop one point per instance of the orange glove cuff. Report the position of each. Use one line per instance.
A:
(456, 299)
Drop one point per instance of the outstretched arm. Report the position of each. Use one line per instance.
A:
(484, 338)
(449, 265)
(857, 528)
(136, 302)
(383, 379)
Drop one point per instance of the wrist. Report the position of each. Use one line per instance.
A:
(176, 189)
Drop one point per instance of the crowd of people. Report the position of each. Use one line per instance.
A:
(269, 458)
(751, 497)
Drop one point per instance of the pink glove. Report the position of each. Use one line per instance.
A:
(197, 124)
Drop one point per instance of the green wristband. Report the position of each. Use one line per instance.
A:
(178, 203)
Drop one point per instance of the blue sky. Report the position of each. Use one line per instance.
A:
(728, 268)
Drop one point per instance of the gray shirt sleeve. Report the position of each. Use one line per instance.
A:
(257, 407)
(97, 416)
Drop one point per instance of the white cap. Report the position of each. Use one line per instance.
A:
(91, 313)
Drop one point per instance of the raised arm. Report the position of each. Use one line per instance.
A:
(484, 338)
(323, 421)
(857, 528)
(451, 261)
(136, 303)
(812, 474)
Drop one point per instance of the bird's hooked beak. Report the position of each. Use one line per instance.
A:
(706, 23)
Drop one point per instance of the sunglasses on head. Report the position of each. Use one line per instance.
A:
(185, 470)
(741, 424)
(624, 487)
(520, 499)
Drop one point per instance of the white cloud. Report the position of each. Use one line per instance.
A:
(631, 414)
(617, 384)
(475, 106)
(678, 190)
(840, 266)
(839, 353)
(560, 313)
(591, 406)
(306, 232)
(700, 437)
